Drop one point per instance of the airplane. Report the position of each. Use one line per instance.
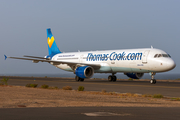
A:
(132, 62)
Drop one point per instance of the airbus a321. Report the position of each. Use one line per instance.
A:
(132, 62)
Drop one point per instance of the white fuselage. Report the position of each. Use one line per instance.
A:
(126, 60)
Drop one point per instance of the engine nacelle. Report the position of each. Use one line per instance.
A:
(134, 75)
(84, 72)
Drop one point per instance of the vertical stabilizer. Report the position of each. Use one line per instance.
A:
(52, 47)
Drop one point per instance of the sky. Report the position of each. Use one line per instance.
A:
(85, 25)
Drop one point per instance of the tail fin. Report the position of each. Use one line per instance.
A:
(52, 47)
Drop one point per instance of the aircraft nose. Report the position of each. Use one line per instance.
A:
(170, 64)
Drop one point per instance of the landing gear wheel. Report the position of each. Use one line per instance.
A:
(77, 78)
(112, 78)
(153, 81)
(81, 79)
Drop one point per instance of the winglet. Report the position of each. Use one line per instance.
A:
(5, 57)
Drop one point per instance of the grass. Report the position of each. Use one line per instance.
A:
(116, 94)
(129, 95)
(176, 99)
(4, 81)
(157, 96)
(67, 88)
(32, 85)
(45, 86)
(130, 79)
(80, 88)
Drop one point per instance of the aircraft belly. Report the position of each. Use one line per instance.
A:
(139, 67)
(121, 69)
(120, 66)
(133, 66)
(64, 67)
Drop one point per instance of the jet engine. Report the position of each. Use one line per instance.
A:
(84, 71)
(134, 75)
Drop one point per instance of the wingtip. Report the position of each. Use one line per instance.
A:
(5, 57)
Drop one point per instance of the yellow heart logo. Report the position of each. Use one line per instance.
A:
(50, 41)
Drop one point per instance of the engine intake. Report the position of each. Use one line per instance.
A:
(84, 72)
(134, 75)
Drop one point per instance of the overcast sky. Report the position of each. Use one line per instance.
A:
(85, 25)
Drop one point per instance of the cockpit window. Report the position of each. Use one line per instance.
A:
(169, 55)
(155, 55)
(165, 55)
(161, 55)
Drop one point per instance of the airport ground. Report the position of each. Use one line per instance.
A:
(26, 103)
(168, 88)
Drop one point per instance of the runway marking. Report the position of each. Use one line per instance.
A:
(105, 84)
(97, 114)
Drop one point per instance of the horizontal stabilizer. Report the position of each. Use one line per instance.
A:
(36, 57)
(5, 57)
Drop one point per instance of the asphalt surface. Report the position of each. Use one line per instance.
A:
(168, 89)
(171, 89)
(90, 113)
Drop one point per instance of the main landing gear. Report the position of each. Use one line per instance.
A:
(112, 77)
(153, 80)
(79, 79)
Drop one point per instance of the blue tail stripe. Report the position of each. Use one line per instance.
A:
(49, 33)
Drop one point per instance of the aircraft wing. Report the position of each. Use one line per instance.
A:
(54, 62)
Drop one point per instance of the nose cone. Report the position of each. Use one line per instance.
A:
(170, 64)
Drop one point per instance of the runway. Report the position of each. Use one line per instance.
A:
(169, 89)
(89, 113)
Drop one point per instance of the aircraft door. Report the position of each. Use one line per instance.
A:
(81, 58)
(144, 57)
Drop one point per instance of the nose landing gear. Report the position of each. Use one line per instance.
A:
(153, 80)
